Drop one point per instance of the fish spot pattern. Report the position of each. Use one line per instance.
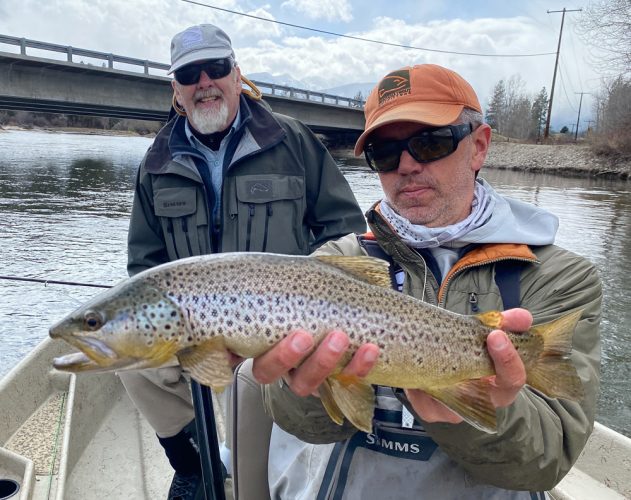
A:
(253, 300)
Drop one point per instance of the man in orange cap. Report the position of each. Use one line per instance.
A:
(455, 242)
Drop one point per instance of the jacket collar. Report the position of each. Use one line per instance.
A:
(474, 254)
(171, 141)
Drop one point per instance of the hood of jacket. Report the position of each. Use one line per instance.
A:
(513, 221)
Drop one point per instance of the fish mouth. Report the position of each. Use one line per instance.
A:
(94, 350)
(80, 362)
(75, 362)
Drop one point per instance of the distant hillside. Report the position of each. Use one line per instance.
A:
(286, 80)
(348, 90)
(351, 89)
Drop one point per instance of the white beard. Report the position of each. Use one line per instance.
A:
(209, 122)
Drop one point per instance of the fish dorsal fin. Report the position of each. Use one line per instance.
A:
(369, 269)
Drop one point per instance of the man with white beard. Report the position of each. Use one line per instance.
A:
(225, 174)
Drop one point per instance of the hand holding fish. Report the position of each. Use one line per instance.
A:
(509, 378)
(317, 365)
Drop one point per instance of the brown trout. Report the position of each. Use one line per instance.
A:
(196, 310)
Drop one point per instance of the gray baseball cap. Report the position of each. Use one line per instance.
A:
(199, 43)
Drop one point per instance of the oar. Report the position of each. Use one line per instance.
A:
(212, 473)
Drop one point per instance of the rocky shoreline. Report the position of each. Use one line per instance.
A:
(574, 160)
(571, 160)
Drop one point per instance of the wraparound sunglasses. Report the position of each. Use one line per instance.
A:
(215, 69)
(424, 147)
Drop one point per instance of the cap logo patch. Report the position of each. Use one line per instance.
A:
(393, 85)
(192, 38)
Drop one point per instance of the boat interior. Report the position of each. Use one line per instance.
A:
(66, 437)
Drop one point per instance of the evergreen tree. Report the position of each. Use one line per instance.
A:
(496, 110)
(539, 113)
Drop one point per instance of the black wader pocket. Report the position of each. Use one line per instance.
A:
(185, 227)
(270, 211)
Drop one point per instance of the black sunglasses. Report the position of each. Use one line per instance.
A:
(215, 69)
(424, 147)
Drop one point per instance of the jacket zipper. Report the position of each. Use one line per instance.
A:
(268, 214)
(473, 302)
(188, 239)
(251, 210)
(443, 287)
(172, 233)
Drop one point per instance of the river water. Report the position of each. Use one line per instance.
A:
(64, 207)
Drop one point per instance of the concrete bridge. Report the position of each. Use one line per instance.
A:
(99, 84)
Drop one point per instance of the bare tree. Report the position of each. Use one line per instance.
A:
(518, 105)
(613, 113)
(606, 26)
(359, 98)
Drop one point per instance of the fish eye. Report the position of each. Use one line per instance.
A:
(92, 321)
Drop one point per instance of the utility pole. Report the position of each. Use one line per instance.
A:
(556, 64)
(589, 124)
(579, 114)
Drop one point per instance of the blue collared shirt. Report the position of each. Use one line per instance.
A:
(214, 159)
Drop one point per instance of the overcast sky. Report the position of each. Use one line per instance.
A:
(143, 29)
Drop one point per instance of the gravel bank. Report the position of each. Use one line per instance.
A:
(562, 159)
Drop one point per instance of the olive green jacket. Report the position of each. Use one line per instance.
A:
(282, 192)
(538, 438)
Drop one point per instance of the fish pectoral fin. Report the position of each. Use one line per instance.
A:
(326, 396)
(351, 397)
(208, 364)
(369, 269)
(471, 399)
(492, 319)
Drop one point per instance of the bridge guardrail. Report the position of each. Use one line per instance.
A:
(272, 88)
(310, 95)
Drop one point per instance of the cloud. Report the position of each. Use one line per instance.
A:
(330, 10)
(144, 28)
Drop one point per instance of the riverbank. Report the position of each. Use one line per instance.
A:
(572, 160)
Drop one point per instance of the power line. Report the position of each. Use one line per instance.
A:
(556, 64)
(565, 85)
(366, 39)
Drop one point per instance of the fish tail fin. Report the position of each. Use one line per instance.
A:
(553, 373)
(350, 397)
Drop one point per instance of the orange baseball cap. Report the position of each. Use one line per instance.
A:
(425, 93)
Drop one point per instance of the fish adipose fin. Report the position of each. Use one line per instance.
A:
(471, 400)
(364, 268)
(208, 363)
(350, 397)
(553, 373)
